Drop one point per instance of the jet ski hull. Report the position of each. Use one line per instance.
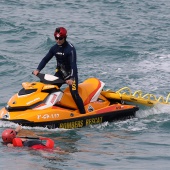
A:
(76, 120)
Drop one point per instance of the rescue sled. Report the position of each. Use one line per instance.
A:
(138, 97)
(45, 104)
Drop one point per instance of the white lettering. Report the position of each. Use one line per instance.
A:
(32, 101)
(59, 53)
(48, 116)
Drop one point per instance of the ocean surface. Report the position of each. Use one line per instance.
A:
(121, 42)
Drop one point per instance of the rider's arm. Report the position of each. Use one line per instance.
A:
(45, 60)
(18, 128)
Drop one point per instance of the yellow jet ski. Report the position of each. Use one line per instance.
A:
(45, 104)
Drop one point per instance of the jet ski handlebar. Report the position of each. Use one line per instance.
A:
(49, 79)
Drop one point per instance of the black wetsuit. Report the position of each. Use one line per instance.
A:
(66, 59)
(30, 143)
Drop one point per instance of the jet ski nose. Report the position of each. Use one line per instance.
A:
(6, 116)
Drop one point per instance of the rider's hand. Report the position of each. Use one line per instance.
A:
(35, 72)
(10, 145)
(18, 128)
(69, 82)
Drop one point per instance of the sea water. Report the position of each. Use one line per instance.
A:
(123, 43)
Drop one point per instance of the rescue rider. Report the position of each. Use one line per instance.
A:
(9, 137)
(66, 68)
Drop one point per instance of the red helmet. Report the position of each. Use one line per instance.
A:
(60, 32)
(8, 135)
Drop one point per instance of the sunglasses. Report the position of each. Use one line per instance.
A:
(59, 38)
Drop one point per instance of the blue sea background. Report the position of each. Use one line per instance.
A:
(123, 43)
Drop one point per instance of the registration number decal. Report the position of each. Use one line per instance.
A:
(47, 116)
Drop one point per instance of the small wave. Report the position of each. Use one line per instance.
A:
(6, 124)
(156, 110)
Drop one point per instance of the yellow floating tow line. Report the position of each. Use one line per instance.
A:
(125, 94)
